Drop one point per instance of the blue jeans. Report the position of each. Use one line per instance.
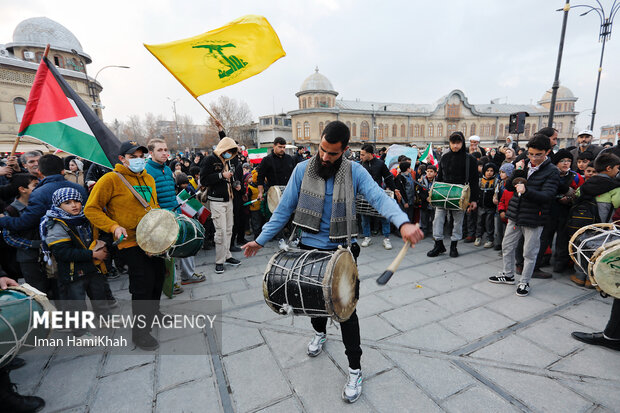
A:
(385, 226)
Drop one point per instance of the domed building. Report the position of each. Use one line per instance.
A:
(19, 61)
(386, 123)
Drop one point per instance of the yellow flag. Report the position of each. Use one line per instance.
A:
(221, 57)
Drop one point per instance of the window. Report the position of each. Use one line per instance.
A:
(451, 128)
(416, 130)
(265, 121)
(287, 122)
(440, 130)
(298, 130)
(472, 129)
(20, 106)
(527, 130)
(320, 128)
(501, 129)
(306, 130)
(410, 130)
(421, 130)
(353, 130)
(380, 130)
(430, 130)
(486, 130)
(303, 103)
(387, 131)
(403, 131)
(349, 125)
(364, 130)
(59, 61)
(464, 128)
(38, 56)
(560, 127)
(394, 130)
(493, 130)
(453, 111)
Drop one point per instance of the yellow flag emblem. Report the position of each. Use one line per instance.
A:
(221, 57)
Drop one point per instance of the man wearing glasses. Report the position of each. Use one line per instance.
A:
(535, 183)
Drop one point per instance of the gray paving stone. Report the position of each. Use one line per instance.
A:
(175, 369)
(235, 338)
(592, 361)
(258, 313)
(607, 395)
(371, 304)
(555, 293)
(29, 375)
(477, 399)
(406, 294)
(516, 350)
(440, 378)
(375, 328)
(476, 323)
(252, 295)
(115, 363)
(432, 337)
(205, 290)
(591, 313)
(512, 306)
(285, 406)
(291, 349)
(445, 283)
(414, 315)
(460, 300)
(438, 268)
(130, 391)
(554, 333)
(73, 379)
(373, 361)
(491, 289)
(538, 393)
(385, 393)
(194, 397)
(247, 392)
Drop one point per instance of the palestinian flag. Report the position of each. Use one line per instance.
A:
(192, 207)
(56, 115)
(257, 155)
(427, 156)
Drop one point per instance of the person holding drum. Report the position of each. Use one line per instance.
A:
(459, 169)
(318, 194)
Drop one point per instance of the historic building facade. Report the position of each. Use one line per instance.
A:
(19, 61)
(403, 123)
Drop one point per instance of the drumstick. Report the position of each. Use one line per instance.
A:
(387, 274)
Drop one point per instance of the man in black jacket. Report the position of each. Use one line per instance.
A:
(535, 184)
(455, 167)
(275, 168)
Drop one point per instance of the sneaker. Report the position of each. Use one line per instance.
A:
(366, 242)
(234, 248)
(113, 274)
(523, 289)
(15, 402)
(194, 278)
(219, 268)
(477, 242)
(387, 244)
(177, 289)
(353, 389)
(233, 261)
(146, 342)
(315, 347)
(469, 239)
(488, 244)
(502, 279)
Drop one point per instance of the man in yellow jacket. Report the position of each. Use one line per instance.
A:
(113, 208)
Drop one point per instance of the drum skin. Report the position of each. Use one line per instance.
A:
(274, 195)
(606, 269)
(161, 231)
(450, 196)
(314, 283)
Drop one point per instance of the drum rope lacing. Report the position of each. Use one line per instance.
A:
(581, 250)
(363, 207)
(18, 342)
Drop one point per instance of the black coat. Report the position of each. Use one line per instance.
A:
(276, 169)
(211, 178)
(533, 207)
(380, 172)
(452, 170)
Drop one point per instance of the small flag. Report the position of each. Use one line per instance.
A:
(257, 155)
(221, 57)
(191, 207)
(56, 115)
(427, 156)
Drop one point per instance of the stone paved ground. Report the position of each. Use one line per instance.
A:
(438, 337)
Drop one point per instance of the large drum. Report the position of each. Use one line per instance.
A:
(596, 250)
(161, 232)
(449, 196)
(274, 195)
(313, 283)
(17, 308)
(363, 207)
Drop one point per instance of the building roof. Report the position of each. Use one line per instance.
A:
(564, 93)
(384, 106)
(317, 82)
(23, 64)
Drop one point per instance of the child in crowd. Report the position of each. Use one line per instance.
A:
(69, 236)
(256, 216)
(589, 172)
(486, 207)
(404, 182)
(194, 177)
(427, 212)
(505, 172)
(583, 160)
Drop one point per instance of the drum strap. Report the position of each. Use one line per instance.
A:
(135, 193)
(467, 169)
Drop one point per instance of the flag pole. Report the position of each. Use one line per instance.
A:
(47, 49)
(205, 108)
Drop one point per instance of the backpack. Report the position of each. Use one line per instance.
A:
(584, 212)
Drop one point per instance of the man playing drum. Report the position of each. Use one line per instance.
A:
(319, 210)
(114, 207)
(455, 167)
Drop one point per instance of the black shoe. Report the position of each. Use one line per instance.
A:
(242, 241)
(597, 339)
(233, 261)
(234, 248)
(219, 268)
(11, 401)
(497, 247)
(453, 251)
(146, 342)
(439, 248)
(538, 273)
(16, 363)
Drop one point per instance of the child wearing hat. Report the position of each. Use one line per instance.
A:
(505, 172)
(486, 206)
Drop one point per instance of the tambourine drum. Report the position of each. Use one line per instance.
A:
(450, 196)
(274, 194)
(363, 207)
(161, 232)
(313, 283)
(596, 250)
(17, 308)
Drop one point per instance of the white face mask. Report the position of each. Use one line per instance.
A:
(137, 165)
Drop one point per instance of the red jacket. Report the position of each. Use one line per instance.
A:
(502, 206)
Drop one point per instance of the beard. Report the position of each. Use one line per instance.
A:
(329, 169)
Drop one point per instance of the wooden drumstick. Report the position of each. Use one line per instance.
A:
(387, 274)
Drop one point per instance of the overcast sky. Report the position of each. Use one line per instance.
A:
(393, 51)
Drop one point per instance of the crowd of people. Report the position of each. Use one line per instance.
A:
(69, 226)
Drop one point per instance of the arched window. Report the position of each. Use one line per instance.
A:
(527, 130)
(306, 130)
(464, 128)
(416, 130)
(303, 103)
(403, 130)
(472, 129)
(59, 61)
(77, 66)
(440, 130)
(38, 56)
(20, 106)
(493, 130)
(349, 125)
(386, 132)
(410, 130)
(501, 129)
(380, 130)
(451, 129)
(320, 128)
(298, 130)
(421, 130)
(394, 130)
(534, 128)
(353, 130)
(364, 130)
(431, 130)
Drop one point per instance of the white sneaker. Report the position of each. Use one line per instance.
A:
(387, 244)
(488, 244)
(353, 389)
(477, 242)
(315, 347)
(366, 242)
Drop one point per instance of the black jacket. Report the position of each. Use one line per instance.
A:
(380, 172)
(532, 208)
(452, 170)
(73, 257)
(277, 170)
(219, 188)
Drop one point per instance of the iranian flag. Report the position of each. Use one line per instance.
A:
(192, 207)
(257, 155)
(427, 156)
(56, 115)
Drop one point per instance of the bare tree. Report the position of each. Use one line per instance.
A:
(152, 125)
(232, 114)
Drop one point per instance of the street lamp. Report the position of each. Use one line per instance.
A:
(98, 104)
(90, 87)
(176, 121)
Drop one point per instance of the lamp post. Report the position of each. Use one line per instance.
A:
(556, 79)
(98, 104)
(176, 121)
(91, 91)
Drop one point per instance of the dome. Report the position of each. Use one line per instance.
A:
(317, 82)
(39, 31)
(564, 93)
